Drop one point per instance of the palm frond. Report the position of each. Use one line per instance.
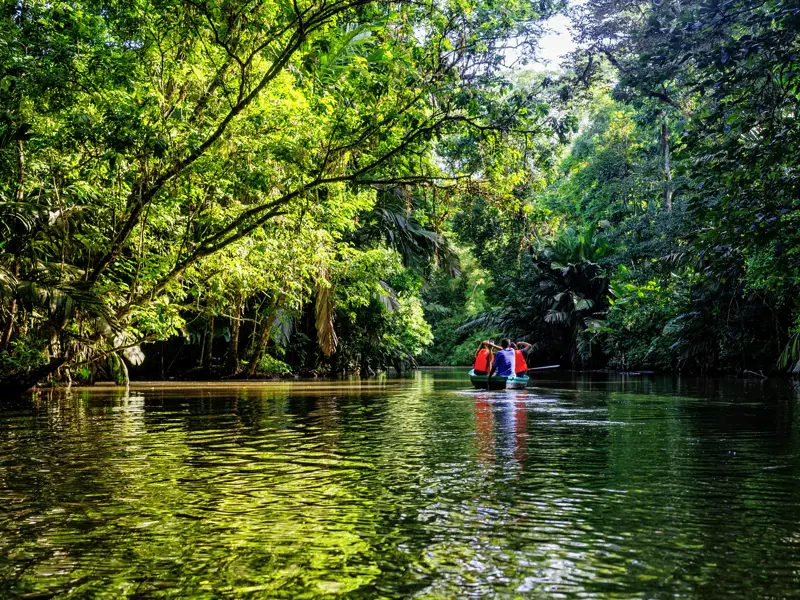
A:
(8, 282)
(129, 348)
(388, 298)
(583, 344)
(62, 300)
(22, 214)
(791, 352)
(324, 310)
(282, 326)
(392, 221)
(333, 64)
(484, 321)
(556, 317)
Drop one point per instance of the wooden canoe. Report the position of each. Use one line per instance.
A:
(484, 382)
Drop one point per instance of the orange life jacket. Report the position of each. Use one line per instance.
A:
(519, 362)
(483, 361)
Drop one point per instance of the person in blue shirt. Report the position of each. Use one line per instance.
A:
(504, 361)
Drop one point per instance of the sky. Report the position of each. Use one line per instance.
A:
(552, 46)
(555, 44)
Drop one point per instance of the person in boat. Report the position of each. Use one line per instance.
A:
(521, 349)
(504, 361)
(483, 359)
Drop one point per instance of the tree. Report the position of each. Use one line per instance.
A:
(162, 133)
(724, 74)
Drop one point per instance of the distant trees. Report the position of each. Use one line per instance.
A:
(688, 159)
(729, 72)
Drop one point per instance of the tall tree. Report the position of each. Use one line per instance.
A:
(140, 139)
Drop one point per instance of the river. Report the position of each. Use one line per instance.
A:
(638, 487)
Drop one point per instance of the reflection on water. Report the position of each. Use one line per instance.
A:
(417, 487)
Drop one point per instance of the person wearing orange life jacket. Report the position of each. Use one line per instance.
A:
(483, 359)
(521, 367)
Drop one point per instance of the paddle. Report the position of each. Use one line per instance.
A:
(542, 368)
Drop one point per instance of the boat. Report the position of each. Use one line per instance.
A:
(495, 382)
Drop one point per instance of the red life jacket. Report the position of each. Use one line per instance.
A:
(520, 366)
(483, 361)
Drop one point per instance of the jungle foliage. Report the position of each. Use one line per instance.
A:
(242, 187)
(222, 171)
(667, 236)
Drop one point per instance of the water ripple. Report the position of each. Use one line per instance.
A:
(406, 488)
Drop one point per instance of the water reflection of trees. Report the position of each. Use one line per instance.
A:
(209, 494)
(347, 488)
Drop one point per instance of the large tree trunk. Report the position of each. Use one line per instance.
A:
(12, 314)
(232, 358)
(265, 329)
(20, 196)
(9, 328)
(17, 386)
(124, 368)
(667, 165)
(208, 345)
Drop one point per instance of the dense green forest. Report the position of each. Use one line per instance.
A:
(196, 188)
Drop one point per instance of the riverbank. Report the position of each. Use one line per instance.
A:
(326, 381)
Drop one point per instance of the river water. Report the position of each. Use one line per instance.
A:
(404, 488)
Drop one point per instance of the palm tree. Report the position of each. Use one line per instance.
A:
(392, 221)
(564, 293)
(36, 280)
(574, 291)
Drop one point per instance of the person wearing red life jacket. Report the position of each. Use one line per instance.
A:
(521, 367)
(483, 359)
